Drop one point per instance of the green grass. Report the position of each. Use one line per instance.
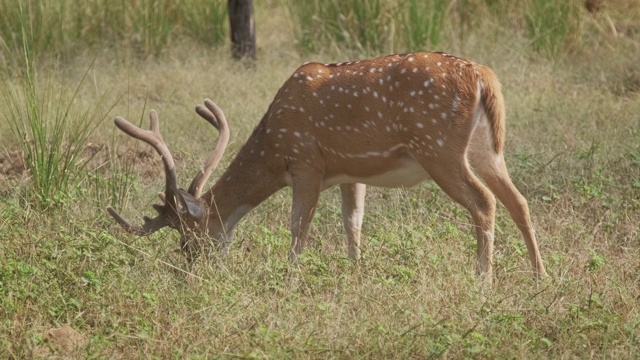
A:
(573, 149)
(52, 131)
(64, 28)
(552, 29)
(424, 23)
(361, 25)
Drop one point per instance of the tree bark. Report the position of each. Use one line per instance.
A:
(243, 36)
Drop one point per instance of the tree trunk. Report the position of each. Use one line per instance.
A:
(243, 36)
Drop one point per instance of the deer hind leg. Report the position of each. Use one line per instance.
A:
(306, 191)
(456, 180)
(495, 175)
(352, 213)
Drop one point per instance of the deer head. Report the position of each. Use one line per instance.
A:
(391, 121)
(181, 210)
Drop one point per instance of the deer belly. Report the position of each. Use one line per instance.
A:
(402, 172)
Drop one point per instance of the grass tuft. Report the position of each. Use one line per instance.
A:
(361, 25)
(144, 27)
(52, 133)
(554, 27)
(424, 23)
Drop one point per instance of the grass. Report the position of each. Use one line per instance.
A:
(572, 149)
(365, 26)
(424, 23)
(552, 29)
(53, 132)
(144, 28)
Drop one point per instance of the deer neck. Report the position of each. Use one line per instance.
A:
(248, 181)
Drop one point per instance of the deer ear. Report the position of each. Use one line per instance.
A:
(191, 205)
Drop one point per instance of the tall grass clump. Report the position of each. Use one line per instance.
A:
(424, 23)
(553, 27)
(305, 25)
(149, 24)
(501, 11)
(205, 20)
(42, 25)
(550, 28)
(52, 133)
(146, 27)
(363, 25)
(372, 27)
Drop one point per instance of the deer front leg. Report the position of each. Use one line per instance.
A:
(306, 191)
(352, 213)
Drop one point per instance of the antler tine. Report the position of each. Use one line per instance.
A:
(153, 138)
(154, 124)
(215, 116)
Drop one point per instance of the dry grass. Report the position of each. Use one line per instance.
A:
(573, 149)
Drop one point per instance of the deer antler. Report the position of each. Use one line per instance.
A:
(171, 194)
(150, 225)
(214, 115)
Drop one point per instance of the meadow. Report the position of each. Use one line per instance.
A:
(73, 284)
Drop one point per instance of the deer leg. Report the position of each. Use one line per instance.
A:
(497, 179)
(457, 180)
(352, 213)
(306, 191)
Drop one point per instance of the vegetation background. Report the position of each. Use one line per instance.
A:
(73, 284)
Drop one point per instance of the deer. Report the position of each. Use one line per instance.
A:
(391, 121)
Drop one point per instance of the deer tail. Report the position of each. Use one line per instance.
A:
(493, 103)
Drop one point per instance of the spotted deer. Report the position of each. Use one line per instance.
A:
(392, 121)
